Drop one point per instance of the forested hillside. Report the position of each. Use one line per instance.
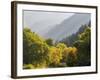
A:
(72, 38)
(44, 53)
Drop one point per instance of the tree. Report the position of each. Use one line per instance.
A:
(49, 42)
(71, 57)
(83, 44)
(55, 56)
(69, 54)
(61, 45)
(35, 49)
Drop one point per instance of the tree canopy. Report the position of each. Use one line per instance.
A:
(41, 53)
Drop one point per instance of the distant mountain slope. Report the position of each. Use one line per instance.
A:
(72, 38)
(68, 26)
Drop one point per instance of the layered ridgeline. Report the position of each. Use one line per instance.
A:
(63, 45)
(58, 30)
(72, 38)
(43, 53)
(67, 27)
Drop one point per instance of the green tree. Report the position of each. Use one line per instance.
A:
(83, 44)
(49, 42)
(35, 49)
(61, 46)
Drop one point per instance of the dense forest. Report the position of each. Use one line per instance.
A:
(69, 52)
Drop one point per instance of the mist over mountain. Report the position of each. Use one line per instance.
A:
(69, 41)
(41, 22)
(58, 39)
(56, 26)
(68, 26)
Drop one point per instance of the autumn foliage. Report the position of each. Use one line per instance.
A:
(41, 53)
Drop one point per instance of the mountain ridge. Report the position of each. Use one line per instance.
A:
(62, 30)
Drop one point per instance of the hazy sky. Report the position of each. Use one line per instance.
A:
(42, 21)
